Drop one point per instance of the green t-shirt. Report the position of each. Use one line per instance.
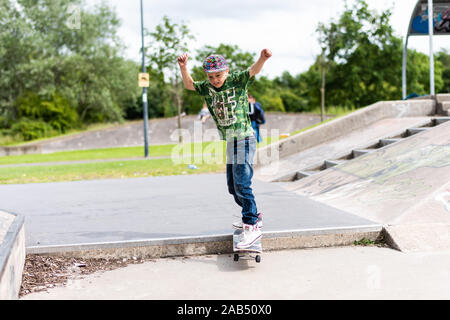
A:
(228, 105)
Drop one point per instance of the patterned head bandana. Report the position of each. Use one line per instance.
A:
(215, 63)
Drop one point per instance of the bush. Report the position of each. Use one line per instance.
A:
(272, 102)
(55, 112)
(32, 129)
(292, 102)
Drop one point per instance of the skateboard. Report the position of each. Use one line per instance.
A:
(253, 252)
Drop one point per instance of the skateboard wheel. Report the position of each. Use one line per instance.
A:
(258, 259)
(236, 257)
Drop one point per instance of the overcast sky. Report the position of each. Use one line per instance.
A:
(287, 27)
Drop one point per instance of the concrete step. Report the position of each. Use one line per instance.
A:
(441, 120)
(385, 142)
(443, 97)
(412, 131)
(303, 174)
(359, 152)
(332, 163)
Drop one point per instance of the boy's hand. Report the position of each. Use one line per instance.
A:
(183, 59)
(187, 79)
(257, 66)
(266, 54)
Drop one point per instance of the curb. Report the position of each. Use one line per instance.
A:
(210, 244)
(12, 258)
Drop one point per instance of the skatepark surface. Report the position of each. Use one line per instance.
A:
(72, 214)
(322, 273)
(400, 190)
(404, 186)
(338, 146)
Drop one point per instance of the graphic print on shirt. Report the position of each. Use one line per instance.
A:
(224, 105)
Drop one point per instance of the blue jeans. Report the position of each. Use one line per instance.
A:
(240, 156)
(256, 128)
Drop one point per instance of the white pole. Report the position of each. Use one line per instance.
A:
(405, 59)
(431, 29)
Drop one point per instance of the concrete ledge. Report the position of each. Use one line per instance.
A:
(343, 126)
(19, 150)
(12, 259)
(214, 244)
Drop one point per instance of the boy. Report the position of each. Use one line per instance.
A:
(226, 96)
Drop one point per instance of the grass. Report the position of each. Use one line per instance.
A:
(337, 112)
(112, 153)
(364, 242)
(103, 170)
(176, 161)
(166, 150)
(380, 241)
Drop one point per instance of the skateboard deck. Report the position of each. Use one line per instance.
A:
(248, 252)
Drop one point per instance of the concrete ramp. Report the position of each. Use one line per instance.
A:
(404, 186)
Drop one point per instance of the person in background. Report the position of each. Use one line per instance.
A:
(256, 114)
(204, 113)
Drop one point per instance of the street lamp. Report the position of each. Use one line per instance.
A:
(144, 89)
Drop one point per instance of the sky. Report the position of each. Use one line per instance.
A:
(286, 27)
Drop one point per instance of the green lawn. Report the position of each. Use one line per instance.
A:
(209, 157)
(122, 153)
(112, 153)
(104, 170)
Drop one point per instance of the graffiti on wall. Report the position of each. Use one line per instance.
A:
(441, 19)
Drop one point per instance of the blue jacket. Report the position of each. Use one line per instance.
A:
(258, 114)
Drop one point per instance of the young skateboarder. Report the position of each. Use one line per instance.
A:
(226, 94)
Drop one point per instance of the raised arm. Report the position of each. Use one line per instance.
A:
(187, 79)
(257, 66)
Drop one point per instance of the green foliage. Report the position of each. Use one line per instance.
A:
(418, 76)
(55, 76)
(32, 129)
(42, 52)
(292, 102)
(166, 43)
(39, 118)
(271, 101)
(364, 242)
(365, 59)
(443, 57)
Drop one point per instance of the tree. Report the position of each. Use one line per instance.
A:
(167, 42)
(444, 58)
(365, 58)
(41, 53)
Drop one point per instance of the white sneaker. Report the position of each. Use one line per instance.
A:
(238, 224)
(251, 234)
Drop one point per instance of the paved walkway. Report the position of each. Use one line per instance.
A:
(59, 163)
(326, 273)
